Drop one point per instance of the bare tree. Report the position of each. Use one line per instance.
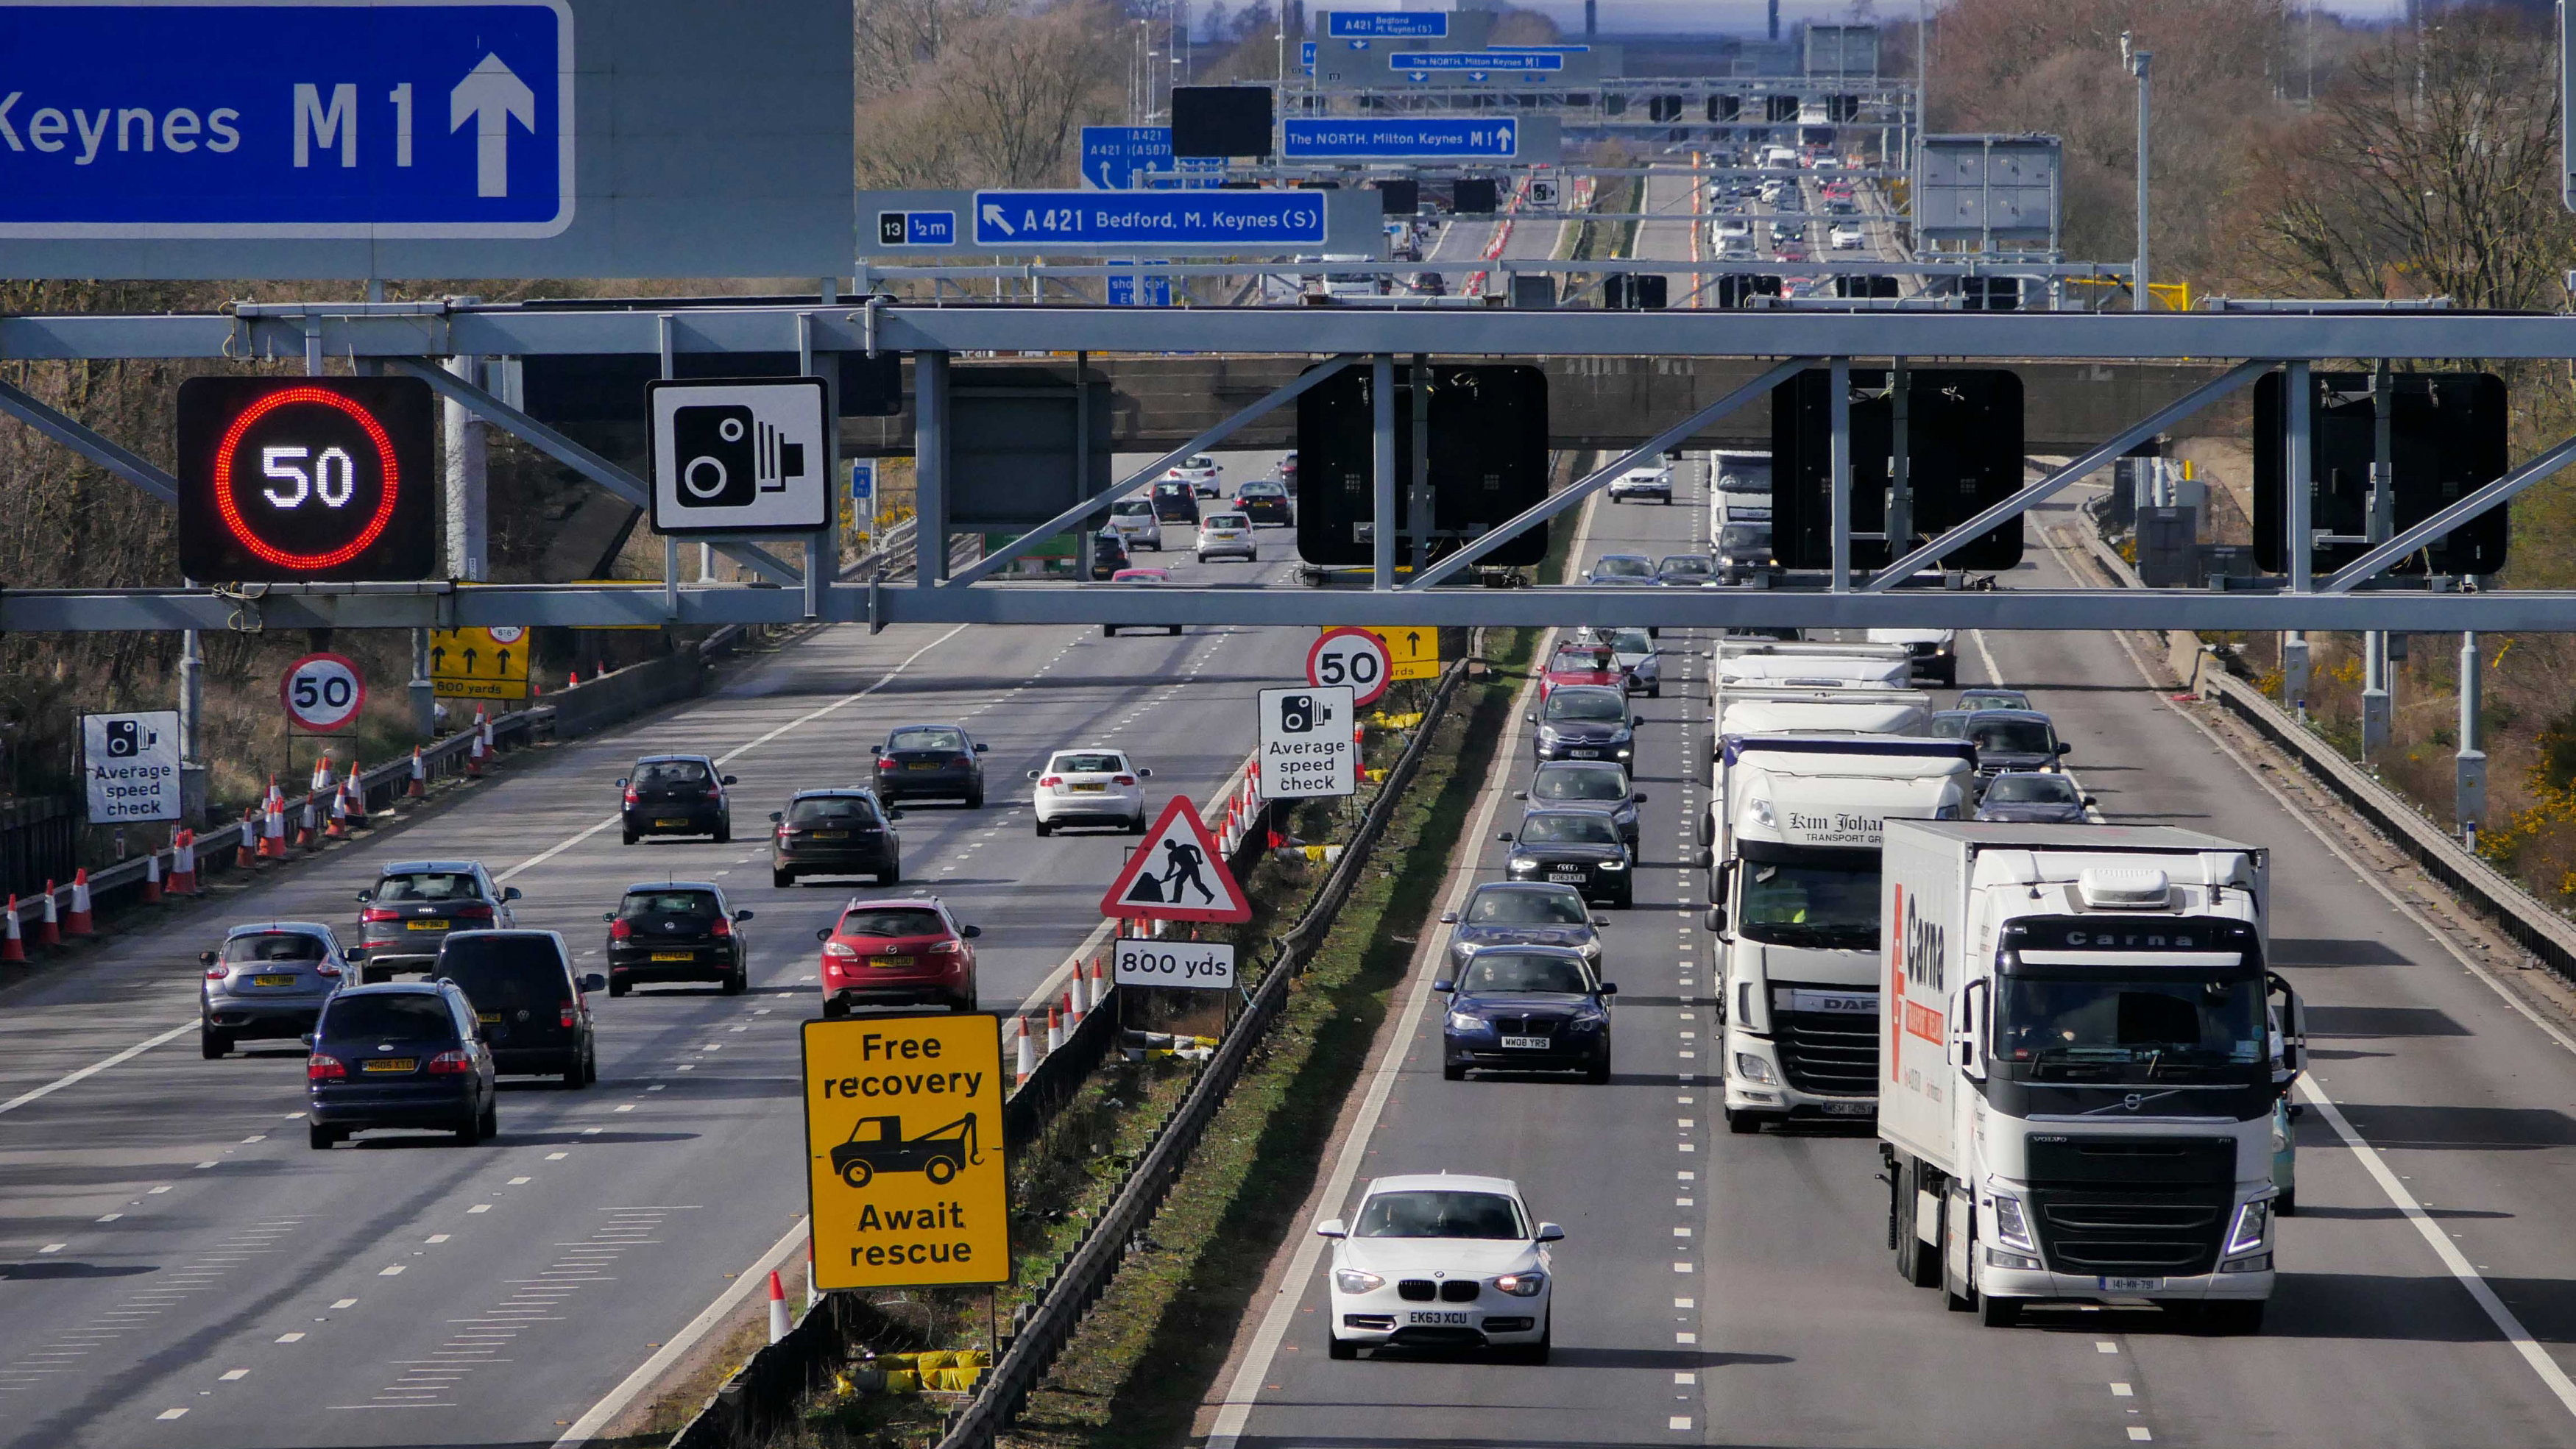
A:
(998, 102)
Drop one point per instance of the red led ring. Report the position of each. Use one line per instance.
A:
(240, 528)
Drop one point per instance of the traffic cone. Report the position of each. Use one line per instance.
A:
(152, 879)
(1055, 1031)
(338, 826)
(321, 775)
(183, 864)
(1075, 1002)
(1028, 1049)
(474, 756)
(49, 926)
(1099, 982)
(13, 947)
(419, 785)
(778, 1323)
(250, 836)
(77, 923)
(272, 831)
(304, 825)
(353, 791)
(573, 680)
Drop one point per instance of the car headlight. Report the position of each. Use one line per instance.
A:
(1588, 1021)
(1592, 949)
(1614, 865)
(1462, 1021)
(1621, 737)
(1523, 862)
(1726, 560)
(1352, 1280)
(1521, 1285)
(2253, 1227)
(1753, 1069)
(1547, 732)
(2011, 1228)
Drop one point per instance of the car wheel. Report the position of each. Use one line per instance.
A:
(735, 982)
(2229, 1317)
(1452, 1072)
(1176, 631)
(1654, 691)
(630, 837)
(724, 831)
(212, 1045)
(2286, 1205)
(892, 874)
(782, 879)
(834, 1010)
(1137, 825)
(1045, 829)
(589, 1071)
(367, 977)
(1536, 1353)
(975, 799)
(471, 1132)
(490, 1125)
(573, 1076)
(1108, 631)
(1599, 1072)
(617, 987)
(1627, 899)
(321, 1137)
(1996, 1312)
(1341, 1348)
(1742, 1124)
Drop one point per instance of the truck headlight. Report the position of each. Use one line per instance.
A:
(1352, 1280)
(1753, 1069)
(1760, 810)
(2253, 1228)
(2011, 1228)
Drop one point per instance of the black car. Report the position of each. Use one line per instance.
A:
(413, 906)
(2012, 739)
(676, 795)
(1526, 1008)
(2030, 798)
(835, 832)
(1176, 503)
(1743, 550)
(400, 1054)
(1523, 913)
(1580, 848)
(676, 931)
(1602, 784)
(1263, 501)
(1108, 554)
(1585, 722)
(535, 1011)
(933, 760)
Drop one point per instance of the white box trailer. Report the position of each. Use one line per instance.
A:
(1806, 711)
(1740, 669)
(2082, 1047)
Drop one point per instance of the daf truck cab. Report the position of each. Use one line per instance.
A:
(1794, 891)
(2083, 1052)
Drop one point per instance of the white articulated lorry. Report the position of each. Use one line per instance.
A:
(1794, 900)
(1743, 491)
(1742, 669)
(2081, 1067)
(1804, 711)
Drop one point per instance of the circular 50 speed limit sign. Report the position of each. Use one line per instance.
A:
(322, 692)
(1354, 657)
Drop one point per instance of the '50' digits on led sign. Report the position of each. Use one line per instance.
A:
(285, 479)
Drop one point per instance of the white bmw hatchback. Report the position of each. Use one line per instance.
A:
(1090, 787)
(1441, 1261)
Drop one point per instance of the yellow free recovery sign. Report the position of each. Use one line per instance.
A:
(903, 1141)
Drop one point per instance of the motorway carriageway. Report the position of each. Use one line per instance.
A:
(1715, 1289)
(187, 1272)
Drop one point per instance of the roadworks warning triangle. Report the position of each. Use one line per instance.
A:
(1178, 874)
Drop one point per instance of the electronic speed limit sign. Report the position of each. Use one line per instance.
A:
(322, 692)
(1354, 657)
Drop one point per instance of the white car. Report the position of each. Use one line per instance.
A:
(1090, 787)
(1441, 1260)
(1846, 236)
(1133, 520)
(1227, 535)
(1201, 473)
(1643, 483)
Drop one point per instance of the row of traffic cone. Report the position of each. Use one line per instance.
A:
(1085, 991)
(52, 922)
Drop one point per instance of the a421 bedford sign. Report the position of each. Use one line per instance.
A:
(903, 1143)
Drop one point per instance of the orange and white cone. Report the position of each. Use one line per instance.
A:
(13, 946)
(419, 785)
(321, 775)
(573, 680)
(474, 755)
(1055, 1031)
(353, 797)
(1076, 1000)
(49, 926)
(183, 864)
(272, 831)
(304, 825)
(152, 879)
(778, 1321)
(1028, 1048)
(77, 922)
(1099, 983)
(337, 828)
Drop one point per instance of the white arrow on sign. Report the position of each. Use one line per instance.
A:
(1503, 133)
(490, 95)
(993, 217)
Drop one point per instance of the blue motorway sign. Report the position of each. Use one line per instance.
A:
(322, 118)
(1148, 290)
(1342, 25)
(1306, 50)
(900, 229)
(1112, 155)
(1399, 138)
(1476, 60)
(1071, 220)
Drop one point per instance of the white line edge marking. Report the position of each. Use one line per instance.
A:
(2551, 1375)
(625, 1394)
(1235, 1413)
(96, 1067)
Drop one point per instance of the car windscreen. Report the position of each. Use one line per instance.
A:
(1631, 641)
(928, 738)
(2010, 736)
(830, 810)
(1495, 971)
(1582, 661)
(1569, 829)
(1683, 563)
(1949, 727)
(1579, 784)
(1527, 908)
(1261, 490)
(1439, 1213)
(1993, 699)
(1086, 764)
(273, 946)
(892, 921)
(406, 1017)
(2031, 790)
(1132, 508)
(506, 973)
(1569, 704)
(670, 772)
(1622, 566)
(667, 903)
(1225, 520)
(429, 887)
(1744, 538)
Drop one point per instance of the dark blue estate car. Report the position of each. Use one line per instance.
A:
(400, 1054)
(1526, 1008)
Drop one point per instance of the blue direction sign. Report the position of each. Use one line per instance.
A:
(1151, 289)
(1411, 25)
(900, 229)
(1113, 155)
(1398, 138)
(322, 118)
(1480, 60)
(1071, 220)
(1307, 50)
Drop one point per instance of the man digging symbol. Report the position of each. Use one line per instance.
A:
(1181, 867)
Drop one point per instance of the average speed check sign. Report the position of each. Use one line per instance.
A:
(1354, 657)
(322, 692)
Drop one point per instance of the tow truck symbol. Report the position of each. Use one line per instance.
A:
(877, 1144)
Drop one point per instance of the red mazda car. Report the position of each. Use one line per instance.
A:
(909, 951)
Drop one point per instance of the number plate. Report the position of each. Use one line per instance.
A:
(1089, 789)
(488, 1018)
(2132, 1285)
(1444, 1320)
(1584, 754)
(392, 1064)
(1525, 1043)
(675, 955)
(1848, 1109)
(889, 963)
(1565, 875)
(273, 980)
(669, 824)
(428, 925)
(831, 835)
(923, 765)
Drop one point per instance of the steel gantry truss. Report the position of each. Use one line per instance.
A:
(414, 338)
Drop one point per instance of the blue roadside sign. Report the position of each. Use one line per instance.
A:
(1417, 25)
(863, 480)
(1486, 60)
(1146, 289)
(326, 118)
(1307, 51)
(1113, 155)
(1071, 220)
(916, 228)
(1400, 138)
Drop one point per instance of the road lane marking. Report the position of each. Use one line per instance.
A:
(229, 1375)
(681, 1343)
(96, 1067)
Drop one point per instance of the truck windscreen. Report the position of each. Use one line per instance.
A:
(2106, 1025)
(1822, 900)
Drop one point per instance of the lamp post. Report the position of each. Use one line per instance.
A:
(2138, 62)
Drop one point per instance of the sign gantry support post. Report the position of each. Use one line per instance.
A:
(930, 470)
(1382, 530)
(1838, 389)
(2298, 549)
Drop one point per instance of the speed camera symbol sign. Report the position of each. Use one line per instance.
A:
(1353, 657)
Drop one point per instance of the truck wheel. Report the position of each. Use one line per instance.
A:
(858, 1173)
(1912, 1263)
(939, 1170)
(1742, 1124)
(2232, 1317)
(1996, 1312)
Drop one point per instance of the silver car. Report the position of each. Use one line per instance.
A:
(267, 981)
(1227, 535)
